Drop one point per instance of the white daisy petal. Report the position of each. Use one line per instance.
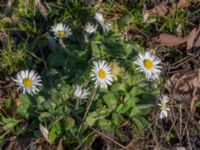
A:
(27, 81)
(163, 106)
(107, 26)
(90, 27)
(26, 73)
(80, 92)
(22, 74)
(60, 30)
(101, 74)
(99, 18)
(148, 64)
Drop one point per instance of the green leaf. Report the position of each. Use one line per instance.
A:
(23, 111)
(122, 108)
(123, 21)
(69, 122)
(105, 124)
(40, 100)
(133, 112)
(110, 100)
(91, 118)
(44, 115)
(94, 47)
(2, 141)
(25, 100)
(118, 87)
(55, 133)
(57, 59)
(25, 108)
(136, 91)
(10, 123)
(96, 115)
(145, 108)
(117, 119)
(140, 123)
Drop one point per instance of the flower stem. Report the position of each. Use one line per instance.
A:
(77, 103)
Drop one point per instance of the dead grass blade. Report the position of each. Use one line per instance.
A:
(42, 9)
(44, 132)
(169, 39)
(197, 43)
(193, 104)
(4, 37)
(60, 146)
(8, 7)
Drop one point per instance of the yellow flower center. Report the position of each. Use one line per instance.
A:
(102, 74)
(61, 32)
(148, 64)
(27, 82)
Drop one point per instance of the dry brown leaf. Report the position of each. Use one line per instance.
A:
(165, 8)
(145, 16)
(191, 37)
(169, 39)
(41, 8)
(179, 29)
(159, 9)
(183, 4)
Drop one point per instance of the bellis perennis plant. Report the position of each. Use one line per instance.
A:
(88, 80)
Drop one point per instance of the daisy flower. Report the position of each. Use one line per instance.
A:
(99, 18)
(164, 99)
(101, 74)
(90, 28)
(107, 26)
(60, 30)
(28, 81)
(80, 92)
(149, 65)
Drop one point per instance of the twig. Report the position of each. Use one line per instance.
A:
(98, 132)
(188, 137)
(155, 139)
(180, 120)
(90, 103)
(107, 137)
(88, 108)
